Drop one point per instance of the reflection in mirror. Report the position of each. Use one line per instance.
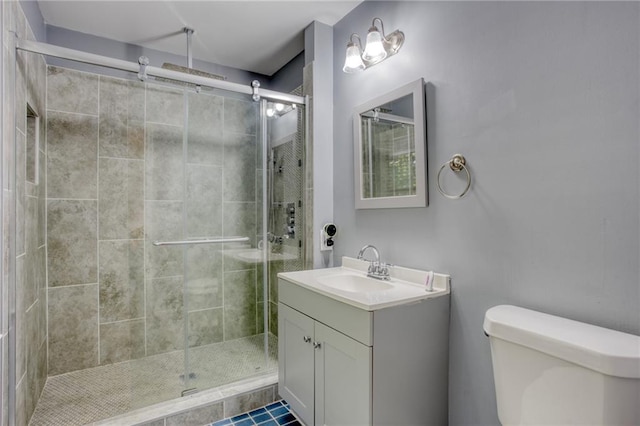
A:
(33, 146)
(390, 149)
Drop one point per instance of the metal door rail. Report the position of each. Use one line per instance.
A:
(206, 241)
(93, 59)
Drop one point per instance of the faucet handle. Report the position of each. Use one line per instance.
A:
(384, 269)
(379, 270)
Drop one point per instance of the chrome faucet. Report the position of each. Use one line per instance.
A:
(373, 248)
(378, 270)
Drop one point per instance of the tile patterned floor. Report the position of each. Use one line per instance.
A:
(94, 394)
(276, 414)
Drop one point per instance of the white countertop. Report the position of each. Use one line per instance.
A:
(406, 285)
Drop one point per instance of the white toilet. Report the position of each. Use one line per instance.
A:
(554, 371)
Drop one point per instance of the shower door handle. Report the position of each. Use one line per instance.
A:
(206, 241)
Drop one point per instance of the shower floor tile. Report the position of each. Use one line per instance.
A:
(98, 393)
(276, 414)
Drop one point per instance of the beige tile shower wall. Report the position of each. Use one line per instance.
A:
(240, 215)
(117, 183)
(27, 82)
(72, 219)
(288, 189)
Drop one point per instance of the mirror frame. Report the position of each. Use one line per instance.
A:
(420, 199)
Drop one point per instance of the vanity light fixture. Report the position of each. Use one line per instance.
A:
(378, 48)
(353, 62)
(374, 51)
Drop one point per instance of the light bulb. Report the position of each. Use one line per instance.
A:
(374, 50)
(279, 107)
(270, 112)
(353, 60)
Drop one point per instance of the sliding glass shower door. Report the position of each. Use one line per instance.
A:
(158, 248)
(203, 210)
(224, 283)
(146, 181)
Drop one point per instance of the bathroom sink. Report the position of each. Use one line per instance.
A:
(350, 284)
(354, 283)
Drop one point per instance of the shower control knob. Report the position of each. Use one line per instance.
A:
(317, 345)
(307, 339)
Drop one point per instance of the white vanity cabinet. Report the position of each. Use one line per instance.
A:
(296, 365)
(319, 366)
(343, 365)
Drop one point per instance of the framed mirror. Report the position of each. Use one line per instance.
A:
(390, 149)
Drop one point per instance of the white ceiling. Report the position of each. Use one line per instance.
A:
(259, 36)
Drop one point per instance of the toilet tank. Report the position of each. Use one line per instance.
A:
(550, 370)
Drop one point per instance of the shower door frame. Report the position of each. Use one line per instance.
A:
(258, 95)
(144, 71)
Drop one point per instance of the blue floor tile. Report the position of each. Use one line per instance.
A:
(277, 412)
(274, 405)
(261, 417)
(287, 418)
(258, 411)
(274, 414)
(239, 417)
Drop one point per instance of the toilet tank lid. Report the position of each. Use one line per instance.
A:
(607, 351)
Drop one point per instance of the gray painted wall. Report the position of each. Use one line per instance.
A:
(542, 99)
(34, 17)
(318, 54)
(289, 77)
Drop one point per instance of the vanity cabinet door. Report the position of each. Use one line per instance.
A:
(343, 380)
(295, 361)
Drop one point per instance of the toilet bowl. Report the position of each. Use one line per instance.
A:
(550, 370)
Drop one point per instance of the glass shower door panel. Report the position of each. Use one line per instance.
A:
(159, 376)
(223, 193)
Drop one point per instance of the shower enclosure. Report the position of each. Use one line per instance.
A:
(160, 215)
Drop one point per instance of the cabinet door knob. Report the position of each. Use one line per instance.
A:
(306, 339)
(317, 345)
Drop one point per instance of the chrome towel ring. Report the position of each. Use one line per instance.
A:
(456, 164)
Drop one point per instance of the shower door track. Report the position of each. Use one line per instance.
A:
(119, 64)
